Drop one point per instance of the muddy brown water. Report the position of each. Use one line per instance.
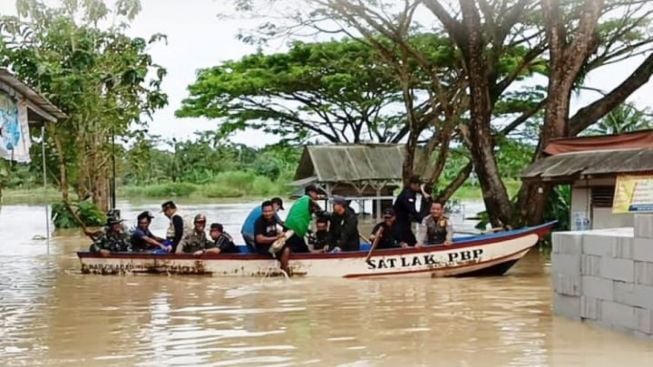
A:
(51, 315)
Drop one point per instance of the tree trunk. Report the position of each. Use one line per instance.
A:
(446, 194)
(409, 158)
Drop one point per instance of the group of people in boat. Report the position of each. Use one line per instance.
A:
(265, 233)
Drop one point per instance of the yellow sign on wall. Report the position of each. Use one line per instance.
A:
(633, 194)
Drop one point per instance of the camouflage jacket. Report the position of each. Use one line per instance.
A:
(114, 242)
(194, 241)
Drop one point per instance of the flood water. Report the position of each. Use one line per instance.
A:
(51, 315)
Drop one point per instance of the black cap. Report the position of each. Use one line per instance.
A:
(168, 204)
(111, 221)
(145, 214)
(339, 200)
(389, 212)
(415, 180)
(217, 226)
(311, 188)
(278, 201)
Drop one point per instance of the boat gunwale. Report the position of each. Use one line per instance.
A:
(464, 243)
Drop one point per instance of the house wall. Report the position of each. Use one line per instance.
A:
(605, 277)
(599, 217)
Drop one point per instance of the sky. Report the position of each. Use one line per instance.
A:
(198, 37)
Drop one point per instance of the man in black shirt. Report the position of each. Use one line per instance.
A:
(344, 226)
(268, 230)
(406, 212)
(176, 228)
(385, 235)
(222, 240)
(320, 238)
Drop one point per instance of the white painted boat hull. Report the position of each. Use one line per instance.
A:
(482, 255)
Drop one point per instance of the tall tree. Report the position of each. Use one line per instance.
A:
(103, 79)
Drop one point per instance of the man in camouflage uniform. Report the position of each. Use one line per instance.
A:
(113, 239)
(195, 242)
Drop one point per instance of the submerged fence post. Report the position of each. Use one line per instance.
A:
(45, 191)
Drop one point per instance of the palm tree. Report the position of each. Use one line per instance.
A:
(623, 119)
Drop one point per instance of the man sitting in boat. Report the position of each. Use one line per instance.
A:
(267, 230)
(299, 218)
(385, 234)
(222, 241)
(319, 240)
(178, 225)
(436, 228)
(344, 226)
(247, 231)
(195, 242)
(142, 238)
(114, 239)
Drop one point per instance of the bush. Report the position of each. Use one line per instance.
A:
(219, 191)
(164, 190)
(87, 212)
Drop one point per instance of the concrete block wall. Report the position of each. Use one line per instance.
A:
(605, 276)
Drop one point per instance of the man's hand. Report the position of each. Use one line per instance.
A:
(448, 243)
(198, 253)
(404, 245)
(419, 245)
(104, 252)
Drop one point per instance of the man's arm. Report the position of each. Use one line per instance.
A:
(422, 233)
(181, 245)
(449, 238)
(178, 224)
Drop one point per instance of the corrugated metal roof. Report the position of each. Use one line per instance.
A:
(35, 98)
(600, 162)
(351, 162)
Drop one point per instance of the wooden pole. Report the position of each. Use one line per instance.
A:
(45, 190)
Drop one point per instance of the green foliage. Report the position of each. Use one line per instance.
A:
(163, 190)
(559, 207)
(104, 80)
(623, 119)
(86, 211)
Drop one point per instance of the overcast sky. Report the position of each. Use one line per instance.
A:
(198, 38)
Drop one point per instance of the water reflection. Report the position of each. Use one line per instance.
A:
(52, 315)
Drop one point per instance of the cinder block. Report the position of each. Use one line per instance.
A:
(644, 226)
(618, 315)
(568, 285)
(591, 265)
(567, 243)
(633, 294)
(643, 249)
(644, 320)
(643, 273)
(599, 245)
(566, 306)
(618, 269)
(565, 264)
(590, 308)
(596, 287)
(623, 248)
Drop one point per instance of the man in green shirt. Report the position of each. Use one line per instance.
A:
(299, 218)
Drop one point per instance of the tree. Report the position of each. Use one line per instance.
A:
(336, 91)
(103, 79)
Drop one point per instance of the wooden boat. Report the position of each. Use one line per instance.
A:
(490, 254)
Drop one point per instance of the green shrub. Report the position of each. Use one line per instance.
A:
(218, 191)
(87, 212)
(164, 190)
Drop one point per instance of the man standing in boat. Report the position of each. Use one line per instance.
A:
(436, 228)
(299, 218)
(406, 211)
(247, 231)
(177, 226)
(267, 230)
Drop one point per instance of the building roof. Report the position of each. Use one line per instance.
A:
(642, 139)
(570, 166)
(351, 163)
(40, 108)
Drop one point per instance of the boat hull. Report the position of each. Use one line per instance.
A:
(478, 256)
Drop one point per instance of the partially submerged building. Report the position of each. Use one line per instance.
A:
(591, 166)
